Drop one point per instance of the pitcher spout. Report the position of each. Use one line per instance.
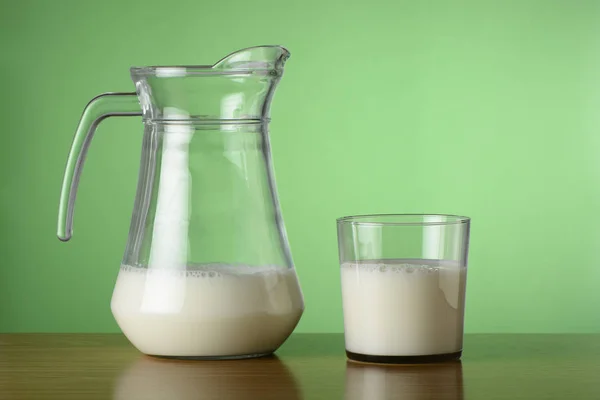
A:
(270, 59)
(240, 86)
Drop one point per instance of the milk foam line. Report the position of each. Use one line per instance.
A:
(208, 270)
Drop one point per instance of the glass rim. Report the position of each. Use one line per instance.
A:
(403, 219)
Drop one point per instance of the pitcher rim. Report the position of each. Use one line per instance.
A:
(187, 70)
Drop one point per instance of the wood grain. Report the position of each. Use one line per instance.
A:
(308, 366)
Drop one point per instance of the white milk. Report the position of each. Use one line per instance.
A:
(209, 310)
(403, 307)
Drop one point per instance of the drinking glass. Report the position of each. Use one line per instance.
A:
(403, 286)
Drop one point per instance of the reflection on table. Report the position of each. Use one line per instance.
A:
(155, 378)
(406, 382)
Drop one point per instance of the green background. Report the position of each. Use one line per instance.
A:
(488, 109)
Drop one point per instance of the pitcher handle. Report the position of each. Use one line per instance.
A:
(100, 107)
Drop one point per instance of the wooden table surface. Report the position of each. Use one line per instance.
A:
(308, 366)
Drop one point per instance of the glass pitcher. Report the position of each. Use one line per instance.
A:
(207, 271)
